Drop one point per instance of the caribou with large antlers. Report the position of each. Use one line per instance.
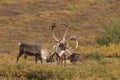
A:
(75, 57)
(60, 48)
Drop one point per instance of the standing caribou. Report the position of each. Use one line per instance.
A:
(61, 48)
(29, 49)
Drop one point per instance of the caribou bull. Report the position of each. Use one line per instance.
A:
(60, 48)
(75, 57)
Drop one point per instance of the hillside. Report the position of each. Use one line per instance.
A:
(30, 20)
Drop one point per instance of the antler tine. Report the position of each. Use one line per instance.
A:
(53, 26)
(65, 34)
(65, 24)
(76, 44)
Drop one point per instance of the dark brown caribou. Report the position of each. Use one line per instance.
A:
(29, 49)
(76, 57)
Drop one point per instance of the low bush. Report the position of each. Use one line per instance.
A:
(111, 35)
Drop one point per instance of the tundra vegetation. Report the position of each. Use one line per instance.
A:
(96, 23)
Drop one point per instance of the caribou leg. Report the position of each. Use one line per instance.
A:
(64, 59)
(36, 57)
(61, 60)
(58, 58)
(40, 58)
(19, 55)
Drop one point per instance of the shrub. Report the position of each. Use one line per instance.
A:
(111, 35)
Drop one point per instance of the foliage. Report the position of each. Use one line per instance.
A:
(90, 69)
(112, 50)
(95, 67)
(111, 35)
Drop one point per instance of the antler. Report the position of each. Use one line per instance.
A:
(76, 43)
(65, 34)
(74, 39)
(53, 26)
(70, 50)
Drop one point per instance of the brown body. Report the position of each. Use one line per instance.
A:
(29, 49)
(75, 57)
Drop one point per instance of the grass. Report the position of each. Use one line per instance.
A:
(108, 51)
(104, 69)
(94, 67)
(30, 20)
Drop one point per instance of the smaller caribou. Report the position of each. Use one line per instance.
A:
(38, 51)
(75, 57)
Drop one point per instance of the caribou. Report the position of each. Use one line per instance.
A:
(60, 49)
(29, 49)
(75, 57)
